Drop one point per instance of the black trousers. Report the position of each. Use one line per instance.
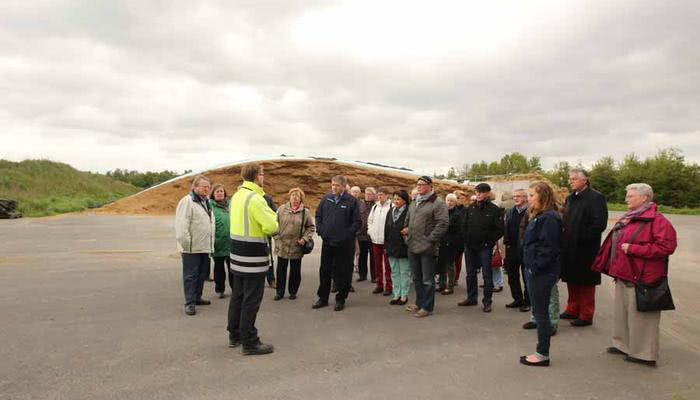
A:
(514, 267)
(336, 264)
(365, 252)
(270, 271)
(294, 275)
(221, 269)
(243, 309)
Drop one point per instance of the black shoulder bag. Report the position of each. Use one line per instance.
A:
(308, 246)
(655, 296)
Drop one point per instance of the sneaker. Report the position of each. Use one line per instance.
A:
(412, 308)
(447, 291)
(190, 310)
(257, 349)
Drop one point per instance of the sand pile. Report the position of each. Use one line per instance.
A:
(313, 176)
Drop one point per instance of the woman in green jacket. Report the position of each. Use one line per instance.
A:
(219, 204)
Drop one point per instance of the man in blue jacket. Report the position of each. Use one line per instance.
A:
(337, 222)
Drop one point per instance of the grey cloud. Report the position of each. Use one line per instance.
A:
(620, 73)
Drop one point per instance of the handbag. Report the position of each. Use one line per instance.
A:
(308, 245)
(655, 296)
(496, 259)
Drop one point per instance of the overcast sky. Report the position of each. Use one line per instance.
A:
(153, 85)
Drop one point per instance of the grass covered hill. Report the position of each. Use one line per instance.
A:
(43, 187)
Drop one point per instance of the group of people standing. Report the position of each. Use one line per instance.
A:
(419, 237)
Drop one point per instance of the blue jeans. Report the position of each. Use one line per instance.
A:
(479, 258)
(195, 269)
(540, 288)
(423, 270)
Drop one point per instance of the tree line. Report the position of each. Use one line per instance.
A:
(143, 179)
(675, 181)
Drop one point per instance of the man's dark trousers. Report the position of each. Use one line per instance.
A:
(365, 253)
(336, 263)
(195, 269)
(243, 309)
(513, 268)
(479, 258)
(423, 270)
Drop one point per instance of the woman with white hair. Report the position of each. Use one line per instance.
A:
(636, 251)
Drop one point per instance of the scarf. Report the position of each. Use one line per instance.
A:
(397, 213)
(629, 215)
(421, 198)
(223, 203)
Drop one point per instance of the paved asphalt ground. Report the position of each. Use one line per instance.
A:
(91, 308)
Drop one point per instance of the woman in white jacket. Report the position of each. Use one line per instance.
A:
(375, 229)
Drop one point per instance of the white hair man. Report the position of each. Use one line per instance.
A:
(584, 220)
(194, 231)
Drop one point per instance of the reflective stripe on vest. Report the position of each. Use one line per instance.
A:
(256, 258)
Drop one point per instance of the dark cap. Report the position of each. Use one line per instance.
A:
(426, 179)
(483, 188)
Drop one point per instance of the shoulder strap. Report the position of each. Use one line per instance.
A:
(634, 236)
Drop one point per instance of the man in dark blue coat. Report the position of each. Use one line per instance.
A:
(337, 222)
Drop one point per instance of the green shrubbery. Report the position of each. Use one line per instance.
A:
(676, 183)
(43, 187)
(142, 179)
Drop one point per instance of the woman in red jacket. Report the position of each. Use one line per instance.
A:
(637, 246)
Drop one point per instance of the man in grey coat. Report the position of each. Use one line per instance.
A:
(426, 223)
(194, 232)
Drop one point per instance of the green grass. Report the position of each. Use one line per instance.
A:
(43, 187)
(662, 208)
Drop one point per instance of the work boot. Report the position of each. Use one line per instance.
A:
(257, 349)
